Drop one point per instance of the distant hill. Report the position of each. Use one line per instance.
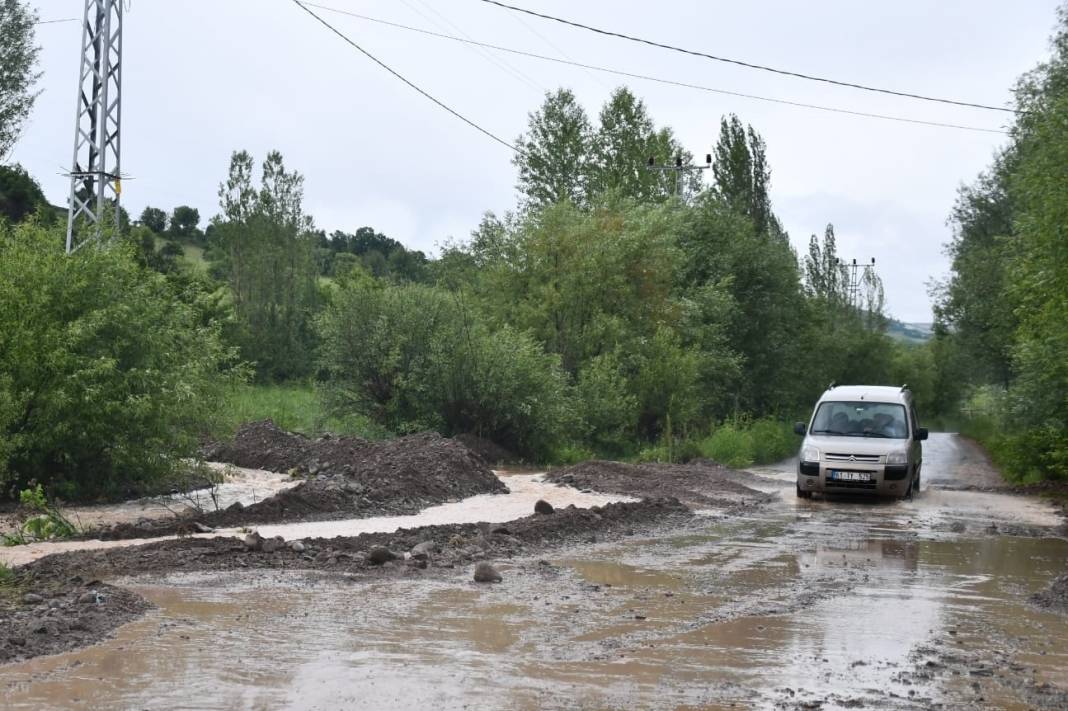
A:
(910, 332)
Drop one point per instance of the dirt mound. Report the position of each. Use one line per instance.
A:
(41, 618)
(1055, 597)
(261, 445)
(351, 478)
(699, 483)
(488, 450)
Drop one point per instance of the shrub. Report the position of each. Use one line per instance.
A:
(415, 357)
(730, 445)
(106, 378)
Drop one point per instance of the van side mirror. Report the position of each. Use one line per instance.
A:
(800, 428)
(921, 434)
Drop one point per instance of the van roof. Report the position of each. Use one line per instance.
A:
(874, 393)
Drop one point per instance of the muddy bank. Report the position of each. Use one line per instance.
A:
(346, 478)
(64, 613)
(700, 483)
(47, 617)
(453, 544)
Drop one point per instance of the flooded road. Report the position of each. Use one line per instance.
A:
(799, 604)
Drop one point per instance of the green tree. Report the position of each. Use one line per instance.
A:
(106, 377)
(269, 246)
(625, 140)
(154, 219)
(554, 153)
(416, 357)
(21, 195)
(185, 222)
(18, 62)
(741, 175)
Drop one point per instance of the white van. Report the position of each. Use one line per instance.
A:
(862, 439)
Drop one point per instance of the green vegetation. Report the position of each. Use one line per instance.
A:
(18, 69)
(296, 407)
(615, 313)
(42, 520)
(106, 375)
(1002, 331)
(735, 443)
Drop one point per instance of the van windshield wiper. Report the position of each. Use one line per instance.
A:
(830, 432)
(876, 434)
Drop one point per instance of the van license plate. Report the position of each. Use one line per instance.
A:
(838, 475)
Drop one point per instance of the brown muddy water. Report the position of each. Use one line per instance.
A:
(845, 604)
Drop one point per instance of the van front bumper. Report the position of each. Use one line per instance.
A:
(884, 480)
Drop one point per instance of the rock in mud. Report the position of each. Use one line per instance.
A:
(296, 546)
(32, 599)
(379, 555)
(201, 528)
(253, 541)
(425, 548)
(270, 545)
(543, 507)
(91, 598)
(486, 573)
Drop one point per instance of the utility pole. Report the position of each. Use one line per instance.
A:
(857, 273)
(94, 177)
(679, 169)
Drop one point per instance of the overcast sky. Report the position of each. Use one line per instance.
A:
(203, 78)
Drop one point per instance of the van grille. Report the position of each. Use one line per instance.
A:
(864, 458)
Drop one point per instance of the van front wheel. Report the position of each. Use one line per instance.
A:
(802, 494)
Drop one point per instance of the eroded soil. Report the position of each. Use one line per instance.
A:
(919, 604)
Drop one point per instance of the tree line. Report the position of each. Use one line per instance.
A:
(1002, 315)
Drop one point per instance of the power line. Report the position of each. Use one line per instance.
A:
(499, 62)
(395, 73)
(659, 80)
(52, 22)
(748, 65)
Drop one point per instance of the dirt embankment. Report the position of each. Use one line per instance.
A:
(345, 477)
(700, 483)
(64, 613)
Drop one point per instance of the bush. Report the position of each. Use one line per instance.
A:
(415, 357)
(740, 443)
(729, 445)
(106, 379)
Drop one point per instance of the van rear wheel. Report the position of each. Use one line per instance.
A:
(802, 494)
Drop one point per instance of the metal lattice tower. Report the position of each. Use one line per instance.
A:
(95, 183)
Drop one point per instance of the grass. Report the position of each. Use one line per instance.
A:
(736, 443)
(293, 407)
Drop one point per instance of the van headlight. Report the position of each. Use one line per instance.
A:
(810, 454)
(897, 458)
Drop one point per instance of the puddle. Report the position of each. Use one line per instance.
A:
(842, 604)
(492, 508)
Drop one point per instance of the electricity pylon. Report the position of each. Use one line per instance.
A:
(95, 183)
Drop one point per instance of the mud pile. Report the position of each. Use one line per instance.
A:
(699, 483)
(346, 478)
(261, 445)
(39, 618)
(1055, 597)
(487, 449)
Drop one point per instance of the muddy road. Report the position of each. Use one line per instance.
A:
(780, 603)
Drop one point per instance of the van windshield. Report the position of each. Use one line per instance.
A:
(861, 419)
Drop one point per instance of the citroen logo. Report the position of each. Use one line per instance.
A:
(852, 457)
